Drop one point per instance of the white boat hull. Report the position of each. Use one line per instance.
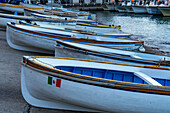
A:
(153, 10)
(27, 42)
(28, 12)
(73, 28)
(120, 9)
(78, 96)
(129, 9)
(139, 9)
(12, 9)
(99, 29)
(3, 21)
(4, 18)
(110, 7)
(77, 50)
(165, 11)
(43, 101)
(62, 52)
(63, 18)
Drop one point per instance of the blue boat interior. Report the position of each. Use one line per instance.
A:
(110, 74)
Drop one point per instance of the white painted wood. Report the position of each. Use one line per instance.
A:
(86, 97)
(27, 41)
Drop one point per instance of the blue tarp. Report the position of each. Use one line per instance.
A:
(2, 1)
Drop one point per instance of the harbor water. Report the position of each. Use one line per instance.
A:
(153, 30)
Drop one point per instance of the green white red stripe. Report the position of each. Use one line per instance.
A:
(54, 81)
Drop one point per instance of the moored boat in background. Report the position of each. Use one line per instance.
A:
(72, 11)
(37, 15)
(79, 13)
(37, 39)
(165, 10)
(139, 9)
(85, 51)
(4, 18)
(72, 27)
(28, 12)
(111, 7)
(100, 27)
(14, 8)
(120, 8)
(129, 9)
(153, 10)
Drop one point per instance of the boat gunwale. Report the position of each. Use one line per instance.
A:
(98, 26)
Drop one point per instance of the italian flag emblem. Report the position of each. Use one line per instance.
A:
(54, 81)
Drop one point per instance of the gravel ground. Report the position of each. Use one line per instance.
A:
(11, 100)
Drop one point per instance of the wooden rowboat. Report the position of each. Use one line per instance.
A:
(129, 9)
(110, 7)
(72, 27)
(94, 86)
(139, 9)
(99, 27)
(4, 18)
(165, 10)
(153, 10)
(87, 51)
(37, 39)
(121, 9)
(66, 10)
(28, 12)
(66, 18)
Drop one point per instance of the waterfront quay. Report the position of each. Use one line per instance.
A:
(86, 6)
